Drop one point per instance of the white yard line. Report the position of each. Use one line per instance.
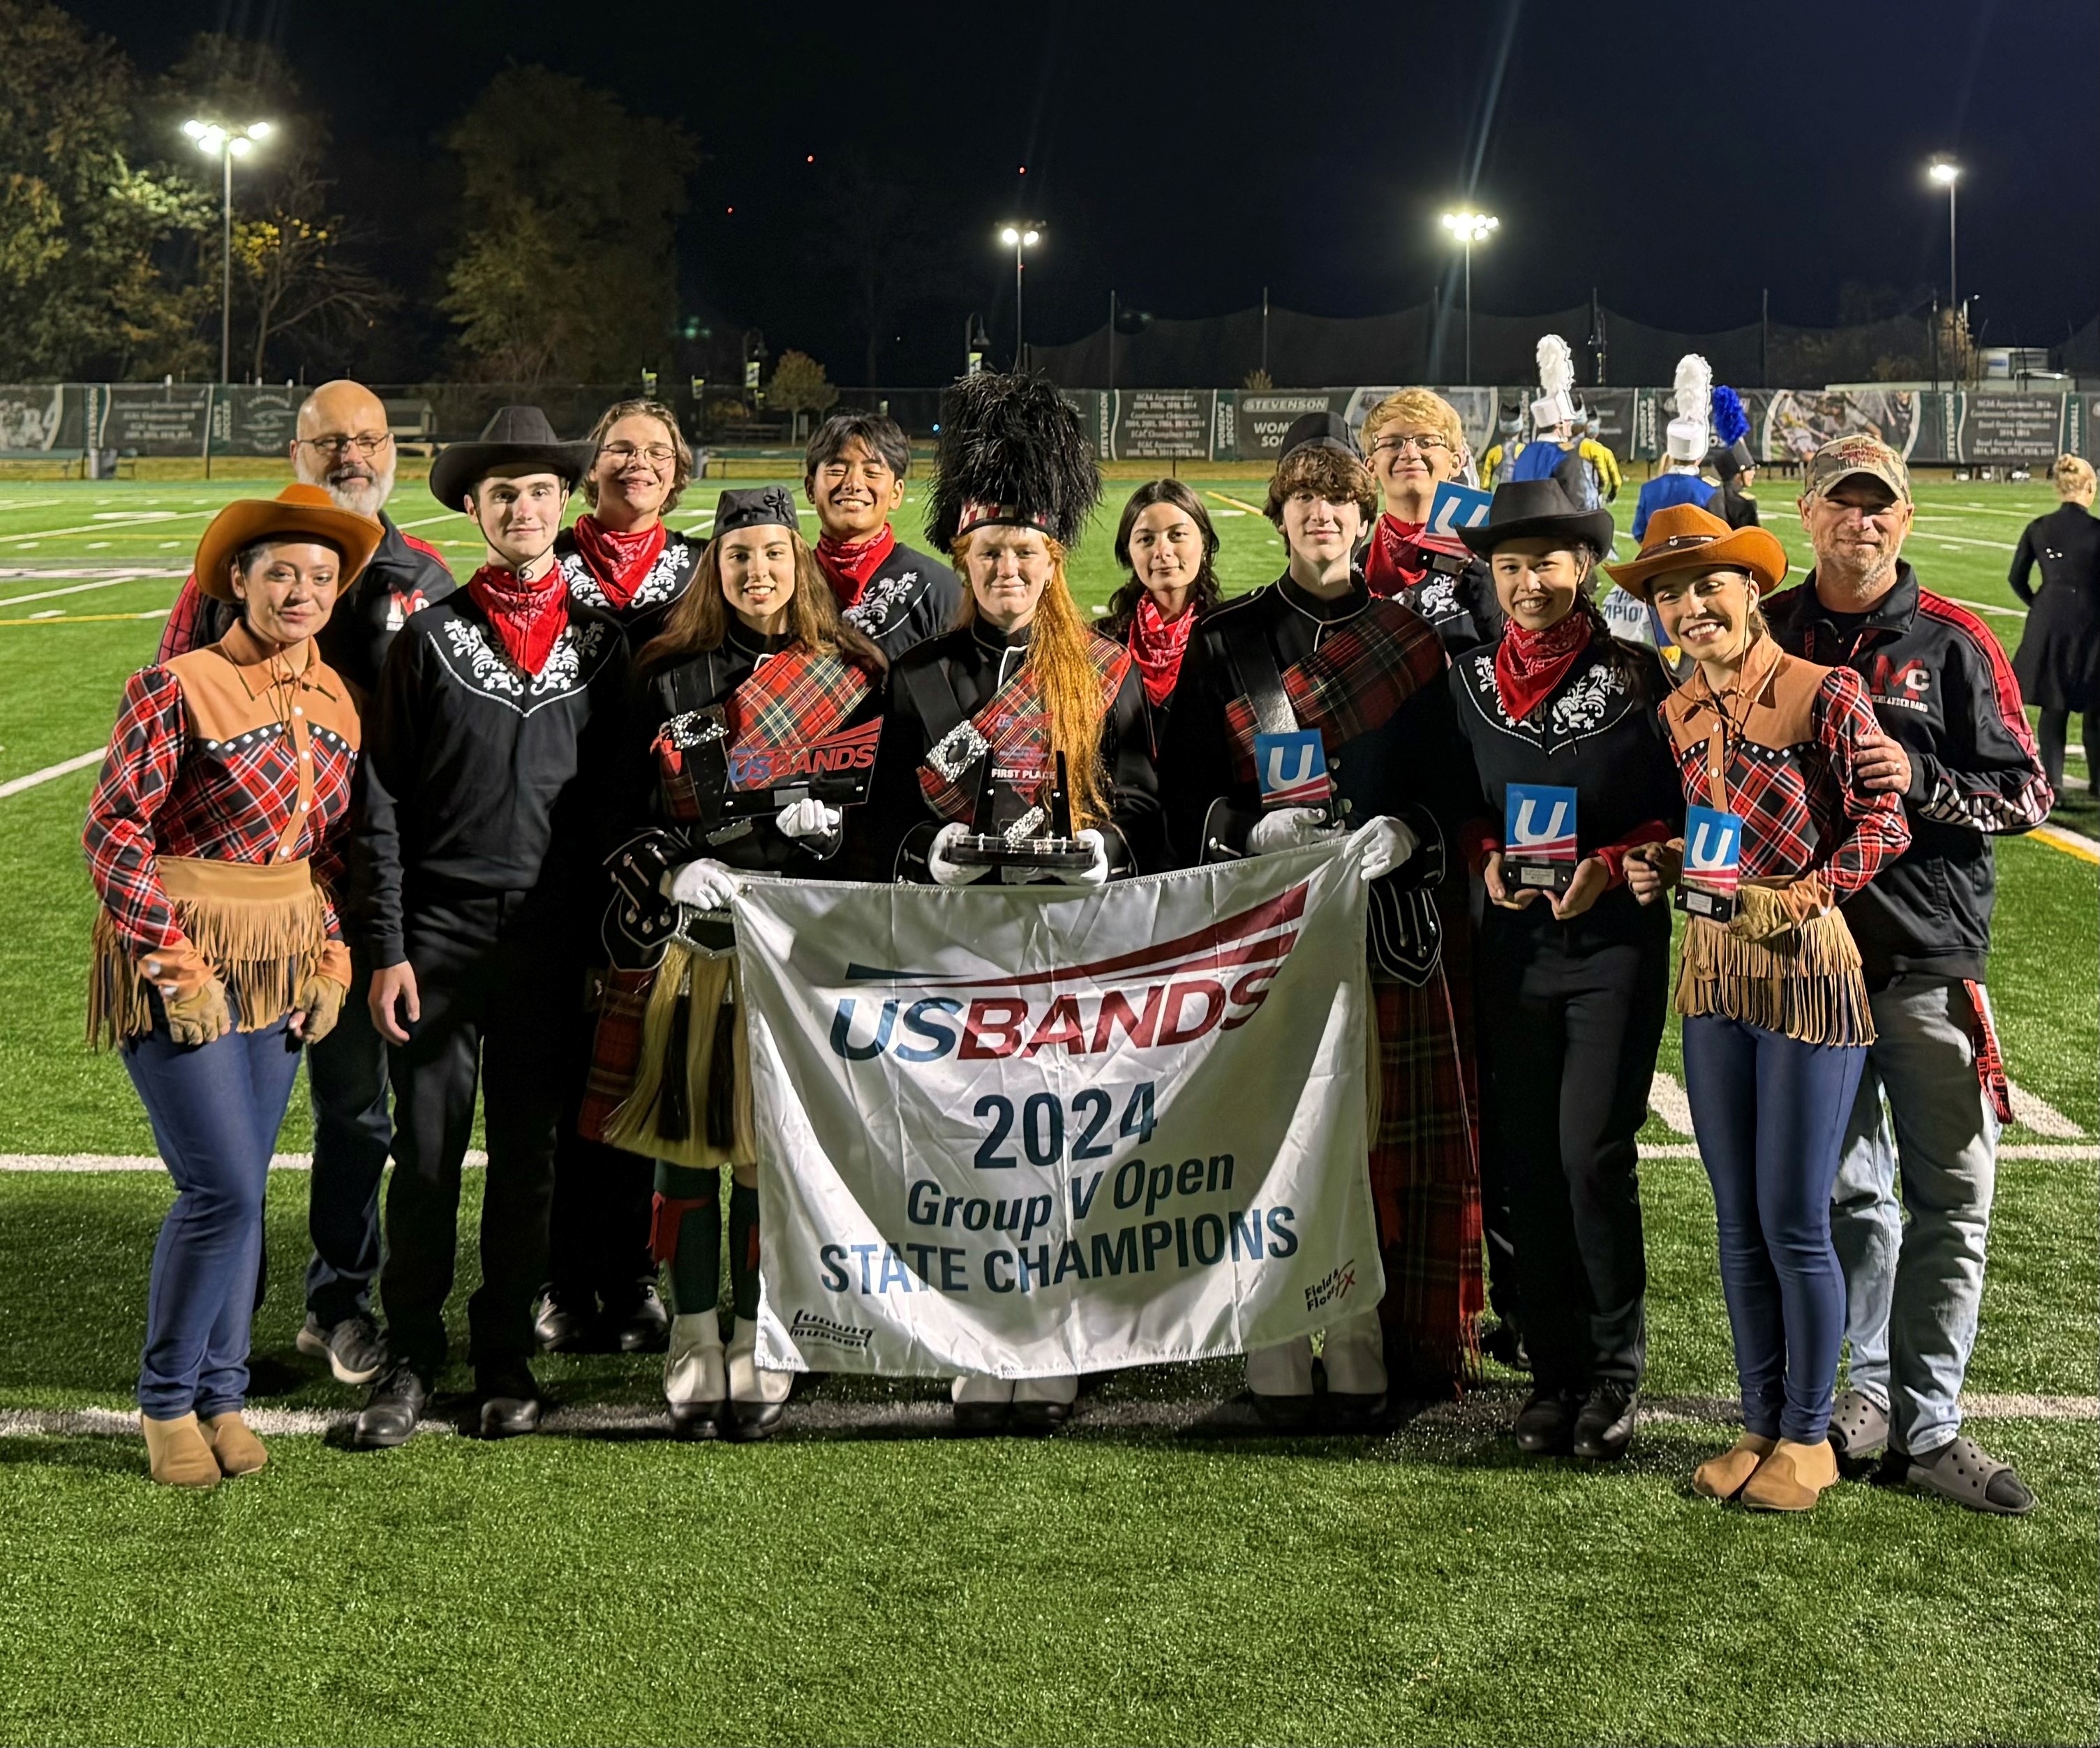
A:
(2040, 1115)
(2017, 1150)
(80, 762)
(1665, 1098)
(132, 519)
(76, 588)
(424, 521)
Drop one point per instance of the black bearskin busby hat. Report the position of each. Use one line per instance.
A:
(1012, 451)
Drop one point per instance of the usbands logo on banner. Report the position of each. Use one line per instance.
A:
(1538, 835)
(1713, 864)
(1031, 1131)
(1293, 769)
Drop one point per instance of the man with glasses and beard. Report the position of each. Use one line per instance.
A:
(342, 445)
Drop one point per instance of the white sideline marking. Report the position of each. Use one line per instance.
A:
(2040, 1115)
(140, 519)
(1665, 1098)
(46, 573)
(424, 521)
(1671, 1150)
(16, 785)
(76, 588)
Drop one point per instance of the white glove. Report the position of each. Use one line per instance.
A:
(1381, 845)
(1287, 828)
(1095, 872)
(946, 873)
(704, 885)
(807, 818)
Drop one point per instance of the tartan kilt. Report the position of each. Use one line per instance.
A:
(615, 1049)
(1426, 1183)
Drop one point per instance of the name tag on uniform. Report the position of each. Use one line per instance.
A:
(1293, 769)
(1539, 837)
(1713, 864)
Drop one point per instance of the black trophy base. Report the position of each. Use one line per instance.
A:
(1047, 855)
(1538, 877)
(1699, 901)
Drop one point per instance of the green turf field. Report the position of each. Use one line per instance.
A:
(1153, 1574)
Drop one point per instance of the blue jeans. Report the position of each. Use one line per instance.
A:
(1769, 1114)
(1914, 1269)
(215, 1109)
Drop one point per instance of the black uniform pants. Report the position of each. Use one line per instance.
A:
(1569, 1042)
(2055, 735)
(602, 1198)
(499, 1001)
(346, 1074)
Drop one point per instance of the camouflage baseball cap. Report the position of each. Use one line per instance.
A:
(1855, 453)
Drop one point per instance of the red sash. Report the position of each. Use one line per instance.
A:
(788, 700)
(1012, 730)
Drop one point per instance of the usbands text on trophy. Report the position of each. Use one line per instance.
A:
(1538, 837)
(1712, 867)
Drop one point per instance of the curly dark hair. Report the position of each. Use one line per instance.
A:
(1122, 604)
(1328, 472)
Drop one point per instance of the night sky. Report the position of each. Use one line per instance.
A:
(1678, 159)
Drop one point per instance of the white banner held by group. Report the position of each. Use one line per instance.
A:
(1036, 1130)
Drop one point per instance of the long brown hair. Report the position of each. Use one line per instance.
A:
(1122, 604)
(700, 619)
(1058, 657)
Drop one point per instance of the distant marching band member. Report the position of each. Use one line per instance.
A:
(1776, 1019)
(1555, 452)
(1414, 442)
(213, 837)
(1685, 443)
(1952, 744)
(1165, 544)
(1730, 462)
(1020, 680)
(853, 472)
(1316, 650)
(759, 638)
(479, 835)
(341, 443)
(2058, 663)
(1573, 987)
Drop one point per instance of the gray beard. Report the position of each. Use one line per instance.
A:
(1870, 587)
(362, 497)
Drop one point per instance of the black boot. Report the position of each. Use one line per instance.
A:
(1545, 1425)
(509, 1398)
(567, 1323)
(393, 1410)
(1605, 1426)
(638, 1324)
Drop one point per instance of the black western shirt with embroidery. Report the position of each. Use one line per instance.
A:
(1599, 734)
(654, 596)
(480, 779)
(910, 598)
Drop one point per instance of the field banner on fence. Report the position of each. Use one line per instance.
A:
(1036, 1130)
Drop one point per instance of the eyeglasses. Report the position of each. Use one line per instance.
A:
(366, 444)
(1423, 443)
(656, 455)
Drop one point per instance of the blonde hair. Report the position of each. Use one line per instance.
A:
(1421, 410)
(682, 467)
(1059, 656)
(2074, 478)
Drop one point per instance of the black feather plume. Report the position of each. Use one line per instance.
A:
(1012, 439)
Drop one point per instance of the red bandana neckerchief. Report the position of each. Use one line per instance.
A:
(619, 562)
(850, 563)
(1386, 570)
(1528, 665)
(1157, 646)
(528, 618)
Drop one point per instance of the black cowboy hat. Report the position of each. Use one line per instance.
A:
(1526, 508)
(516, 439)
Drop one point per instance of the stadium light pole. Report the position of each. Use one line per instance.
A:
(1466, 228)
(1018, 237)
(226, 144)
(1945, 173)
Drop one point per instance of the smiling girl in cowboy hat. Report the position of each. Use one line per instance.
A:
(218, 815)
(1774, 1004)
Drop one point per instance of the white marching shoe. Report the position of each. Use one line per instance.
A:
(695, 1378)
(982, 1404)
(1043, 1405)
(757, 1398)
(1354, 1356)
(1281, 1379)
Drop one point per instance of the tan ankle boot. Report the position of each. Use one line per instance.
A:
(238, 1451)
(1721, 1477)
(176, 1453)
(1793, 1478)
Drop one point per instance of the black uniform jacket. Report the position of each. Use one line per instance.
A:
(2058, 659)
(910, 598)
(1460, 610)
(644, 614)
(976, 661)
(1599, 732)
(480, 779)
(1941, 687)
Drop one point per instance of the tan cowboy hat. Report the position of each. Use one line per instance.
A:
(296, 510)
(1683, 537)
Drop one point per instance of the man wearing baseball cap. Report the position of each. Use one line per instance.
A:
(1954, 743)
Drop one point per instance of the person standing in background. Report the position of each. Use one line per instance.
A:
(1686, 441)
(1414, 442)
(1166, 544)
(2058, 663)
(342, 444)
(853, 474)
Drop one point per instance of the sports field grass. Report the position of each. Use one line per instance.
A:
(1154, 1573)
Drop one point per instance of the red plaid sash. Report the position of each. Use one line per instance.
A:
(1352, 684)
(788, 700)
(1012, 730)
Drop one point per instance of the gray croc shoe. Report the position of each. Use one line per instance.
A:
(1858, 1428)
(1963, 1471)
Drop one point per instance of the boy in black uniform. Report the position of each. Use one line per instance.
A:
(475, 841)
(853, 472)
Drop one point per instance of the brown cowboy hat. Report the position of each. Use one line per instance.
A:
(296, 511)
(1683, 537)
